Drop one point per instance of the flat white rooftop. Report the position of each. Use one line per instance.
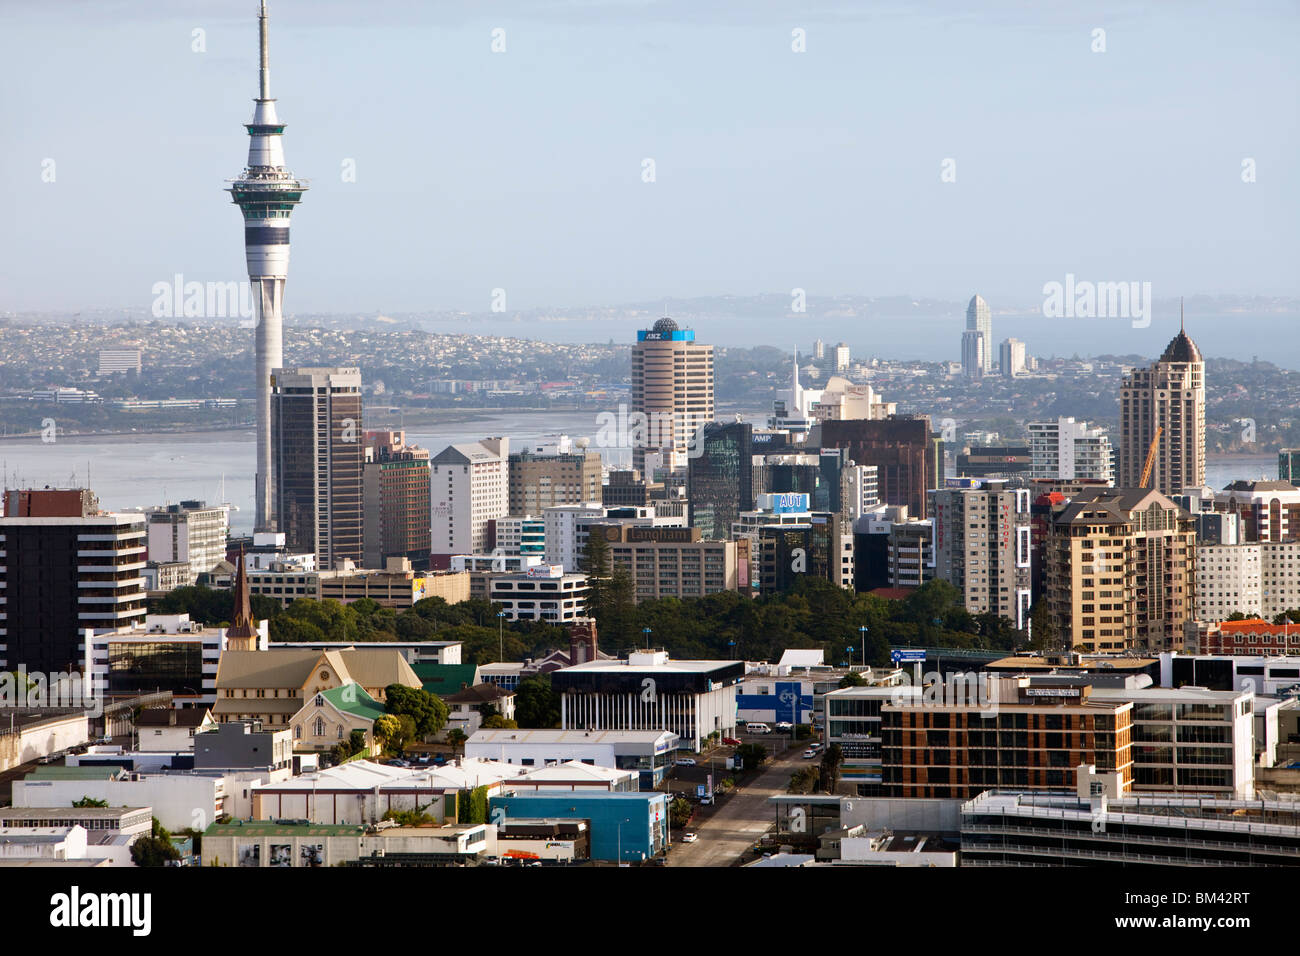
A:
(569, 736)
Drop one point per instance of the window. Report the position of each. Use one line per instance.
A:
(318, 728)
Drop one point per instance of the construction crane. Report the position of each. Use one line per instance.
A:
(1151, 457)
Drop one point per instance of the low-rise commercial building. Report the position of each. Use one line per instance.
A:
(648, 752)
(627, 827)
(361, 791)
(164, 652)
(540, 594)
(649, 691)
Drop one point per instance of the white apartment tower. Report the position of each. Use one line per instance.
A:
(468, 488)
(1070, 450)
(1011, 358)
(189, 532)
(979, 318)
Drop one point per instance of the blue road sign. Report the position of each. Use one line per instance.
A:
(906, 657)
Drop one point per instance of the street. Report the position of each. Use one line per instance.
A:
(725, 831)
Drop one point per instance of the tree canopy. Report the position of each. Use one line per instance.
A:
(427, 711)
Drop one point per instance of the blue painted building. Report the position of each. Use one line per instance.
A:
(624, 826)
(772, 700)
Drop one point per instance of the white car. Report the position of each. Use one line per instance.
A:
(684, 762)
(785, 725)
(689, 837)
(810, 755)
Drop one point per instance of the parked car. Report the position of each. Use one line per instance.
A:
(399, 763)
(422, 759)
(731, 741)
(684, 762)
(706, 801)
(785, 725)
(810, 754)
(755, 727)
(689, 837)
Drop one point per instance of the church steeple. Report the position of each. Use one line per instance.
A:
(242, 635)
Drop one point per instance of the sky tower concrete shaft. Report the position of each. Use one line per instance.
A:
(266, 194)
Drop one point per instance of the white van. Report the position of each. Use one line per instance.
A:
(757, 729)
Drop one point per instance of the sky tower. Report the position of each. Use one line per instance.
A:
(266, 194)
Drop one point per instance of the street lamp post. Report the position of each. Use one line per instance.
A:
(863, 631)
(647, 632)
(501, 640)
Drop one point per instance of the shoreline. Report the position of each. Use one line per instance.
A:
(415, 422)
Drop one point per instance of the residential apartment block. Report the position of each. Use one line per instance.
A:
(1121, 571)
(982, 547)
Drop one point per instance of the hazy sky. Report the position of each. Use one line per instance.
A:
(522, 170)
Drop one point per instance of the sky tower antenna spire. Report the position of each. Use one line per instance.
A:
(264, 68)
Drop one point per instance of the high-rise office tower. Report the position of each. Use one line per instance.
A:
(1288, 465)
(468, 490)
(1170, 395)
(65, 566)
(396, 498)
(1011, 358)
(973, 354)
(266, 194)
(672, 385)
(982, 547)
(979, 319)
(544, 480)
(908, 457)
(720, 479)
(319, 451)
(819, 351)
(1070, 450)
(189, 532)
(842, 358)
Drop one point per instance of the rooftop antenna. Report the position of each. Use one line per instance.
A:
(1180, 314)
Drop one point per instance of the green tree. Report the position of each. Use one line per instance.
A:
(428, 711)
(156, 849)
(472, 806)
(90, 802)
(753, 755)
(853, 679)
(804, 780)
(537, 704)
(497, 722)
(387, 729)
(357, 740)
(1042, 627)
(456, 737)
(830, 768)
(294, 630)
(409, 818)
(680, 812)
